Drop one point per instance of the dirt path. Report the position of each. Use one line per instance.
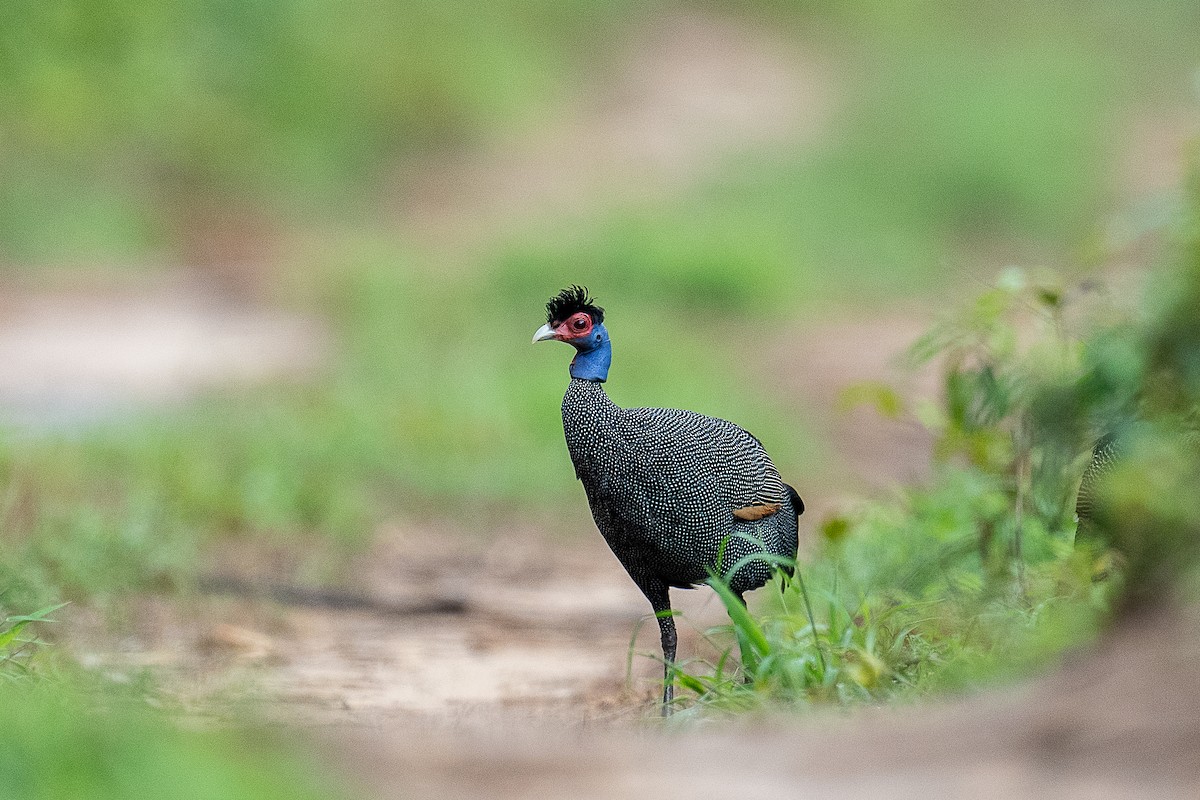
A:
(520, 693)
(76, 354)
(814, 363)
(438, 628)
(1120, 723)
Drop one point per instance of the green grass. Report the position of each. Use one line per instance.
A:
(901, 606)
(122, 119)
(57, 744)
(18, 644)
(972, 577)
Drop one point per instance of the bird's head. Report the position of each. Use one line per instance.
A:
(574, 318)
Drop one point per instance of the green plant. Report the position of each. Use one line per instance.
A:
(972, 576)
(59, 742)
(16, 646)
(977, 575)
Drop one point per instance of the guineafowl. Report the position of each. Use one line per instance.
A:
(1104, 455)
(677, 495)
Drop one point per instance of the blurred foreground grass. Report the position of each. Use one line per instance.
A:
(55, 744)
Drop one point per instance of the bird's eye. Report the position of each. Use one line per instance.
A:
(579, 323)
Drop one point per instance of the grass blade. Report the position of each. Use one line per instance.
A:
(752, 641)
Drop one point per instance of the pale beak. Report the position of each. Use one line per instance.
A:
(543, 333)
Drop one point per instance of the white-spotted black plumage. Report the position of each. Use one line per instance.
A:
(1104, 456)
(663, 484)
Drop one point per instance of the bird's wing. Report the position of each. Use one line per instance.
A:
(725, 458)
(1104, 456)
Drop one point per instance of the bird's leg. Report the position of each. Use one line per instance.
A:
(666, 626)
(660, 600)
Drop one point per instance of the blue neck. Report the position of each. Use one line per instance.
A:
(594, 356)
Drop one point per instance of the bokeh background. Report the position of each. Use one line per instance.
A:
(268, 270)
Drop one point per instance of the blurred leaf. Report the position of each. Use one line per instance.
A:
(690, 682)
(883, 398)
(835, 528)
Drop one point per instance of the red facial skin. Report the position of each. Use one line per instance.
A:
(576, 326)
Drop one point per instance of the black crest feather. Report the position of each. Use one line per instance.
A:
(570, 301)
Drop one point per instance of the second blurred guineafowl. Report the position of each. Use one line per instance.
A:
(677, 495)
(1104, 455)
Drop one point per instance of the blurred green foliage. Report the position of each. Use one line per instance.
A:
(957, 126)
(956, 123)
(1147, 507)
(56, 744)
(18, 645)
(121, 120)
(969, 577)
(979, 574)
(117, 116)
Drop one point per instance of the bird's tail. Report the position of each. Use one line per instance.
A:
(798, 506)
(797, 503)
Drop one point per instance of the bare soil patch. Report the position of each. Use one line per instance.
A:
(73, 355)
(1120, 722)
(436, 628)
(813, 364)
